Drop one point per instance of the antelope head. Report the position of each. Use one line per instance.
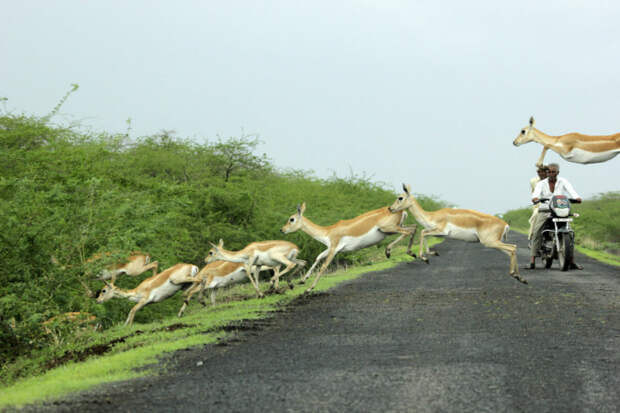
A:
(294, 222)
(215, 253)
(526, 134)
(403, 201)
(107, 293)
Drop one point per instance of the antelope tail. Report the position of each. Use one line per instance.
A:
(505, 234)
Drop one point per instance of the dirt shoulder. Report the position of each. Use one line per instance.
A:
(458, 334)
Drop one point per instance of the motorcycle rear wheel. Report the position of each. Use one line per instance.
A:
(565, 253)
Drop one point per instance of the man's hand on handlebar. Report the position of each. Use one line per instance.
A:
(571, 200)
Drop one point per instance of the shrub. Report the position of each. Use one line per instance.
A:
(66, 195)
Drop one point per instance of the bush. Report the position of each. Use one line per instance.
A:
(65, 196)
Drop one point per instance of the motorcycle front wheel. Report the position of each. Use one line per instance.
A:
(548, 262)
(565, 253)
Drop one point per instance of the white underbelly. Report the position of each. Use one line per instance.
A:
(580, 156)
(164, 291)
(372, 237)
(264, 258)
(232, 278)
(463, 234)
(108, 274)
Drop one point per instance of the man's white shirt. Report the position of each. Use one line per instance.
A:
(562, 187)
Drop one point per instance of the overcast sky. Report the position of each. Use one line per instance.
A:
(430, 93)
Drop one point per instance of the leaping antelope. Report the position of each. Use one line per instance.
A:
(75, 318)
(463, 224)
(152, 290)
(136, 264)
(351, 235)
(272, 254)
(217, 274)
(574, 147)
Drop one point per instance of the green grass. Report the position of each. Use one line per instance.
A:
(602, 256)
(143, 345)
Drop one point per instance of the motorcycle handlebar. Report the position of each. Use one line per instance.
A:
(571, 200)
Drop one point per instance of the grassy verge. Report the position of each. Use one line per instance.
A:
(600, 256)
(132, 351)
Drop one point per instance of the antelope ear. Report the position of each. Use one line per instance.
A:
(407, 188)
(301, 209)
(221, 243)
(213, 245)
(531, 120)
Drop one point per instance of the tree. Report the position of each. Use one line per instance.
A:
(236, 154)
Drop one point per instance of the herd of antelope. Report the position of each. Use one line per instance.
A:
(224, 267)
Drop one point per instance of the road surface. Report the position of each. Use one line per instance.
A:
(457, 335)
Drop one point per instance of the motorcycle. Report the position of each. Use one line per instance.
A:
(558, 238)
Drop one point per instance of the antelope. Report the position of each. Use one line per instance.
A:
(74, 320)
(574, 147)
(351, 235)
(136, 264)
(462, 224)
(264, 253)
(75, 317)
(217, 274)
(152, 290)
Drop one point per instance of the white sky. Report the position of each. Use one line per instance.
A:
(430, 93)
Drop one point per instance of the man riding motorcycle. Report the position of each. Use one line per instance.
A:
(545, 189)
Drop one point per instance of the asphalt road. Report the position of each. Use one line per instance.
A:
(458, 335)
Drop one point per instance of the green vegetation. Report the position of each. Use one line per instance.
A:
(66, 195)
(597, 229)
(129, 351)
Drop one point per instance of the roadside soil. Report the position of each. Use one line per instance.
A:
(456, 335)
